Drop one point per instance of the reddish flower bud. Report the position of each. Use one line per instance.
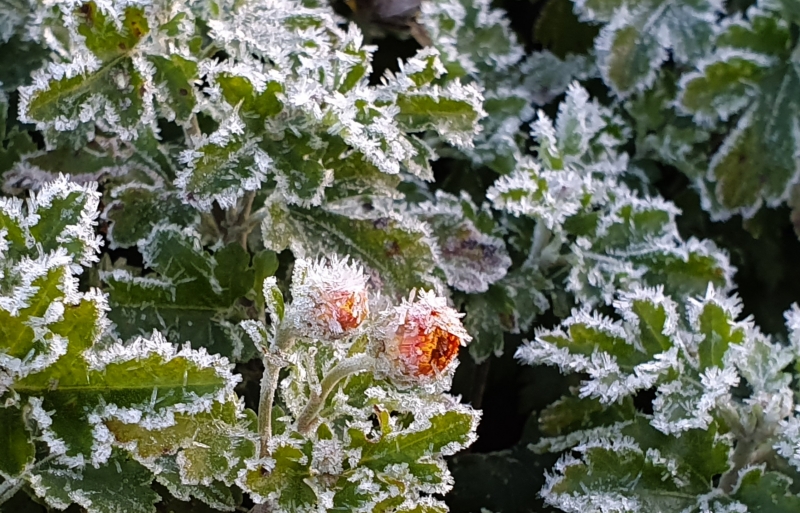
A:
(420, 340)
(329, 298)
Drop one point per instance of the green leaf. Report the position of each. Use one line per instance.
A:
(255, 107)
(149, 375)
(397, 248)
(453, 119)
(120, 485)
(635, 43)
(66, 97)
(16, 446)
(286, 480)
(178, 76)
(137, 208)
(265, 264)
(409, 448)
(211, 446)
(762, 491)
(629, 56)
(716, 326)
(193, 295)
(104, 38)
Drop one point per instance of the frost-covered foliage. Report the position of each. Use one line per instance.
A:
(238, 265)
(722, 435)
(712, 89)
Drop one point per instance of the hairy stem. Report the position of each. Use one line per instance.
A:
(541, 236)
(284, 340)
(740, 459)
(345, 368)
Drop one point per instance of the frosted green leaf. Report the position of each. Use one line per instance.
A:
(216, 495)
(121, 484)
(114, 377)
(105, 85)
(285, 480)
(176, 75)
(640, 237)
(620, 358)
(646, 470)
(718, 333)
(628, 56)
(209, 446)
(639, 38)
(446, 429)
(452, 112)
(265, 263)
(222, 167)
(255, 106)
(192, 296)
(762, 490)
(398, 248)
(137, 208)
(724, 87)
(749, 77)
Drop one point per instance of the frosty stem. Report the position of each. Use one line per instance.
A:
(284, 340)
(345, 368)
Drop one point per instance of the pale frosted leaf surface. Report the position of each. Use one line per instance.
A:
(746, 81)
(472, 255)
(638, 37)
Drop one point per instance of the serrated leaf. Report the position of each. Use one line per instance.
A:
(194, 295)
(763, 491)
(399, 249)
(630, 57)
(285, 481)
(444, 429)
(137, 208)
(178, 75)
(120, 485)
(210, 446)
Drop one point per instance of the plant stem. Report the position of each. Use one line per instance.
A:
(740, 459)
(541, 236)
(308, 417)
(284, 340)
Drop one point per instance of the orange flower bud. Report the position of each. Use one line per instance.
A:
(329, 298)
(420, 340)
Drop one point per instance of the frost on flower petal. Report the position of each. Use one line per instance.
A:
(329, 297)
(419, 340)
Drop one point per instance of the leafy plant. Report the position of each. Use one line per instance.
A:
(241, 250)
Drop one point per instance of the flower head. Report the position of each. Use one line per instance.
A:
(329, 297)
(420, 339)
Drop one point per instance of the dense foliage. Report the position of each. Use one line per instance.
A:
(241, 249)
